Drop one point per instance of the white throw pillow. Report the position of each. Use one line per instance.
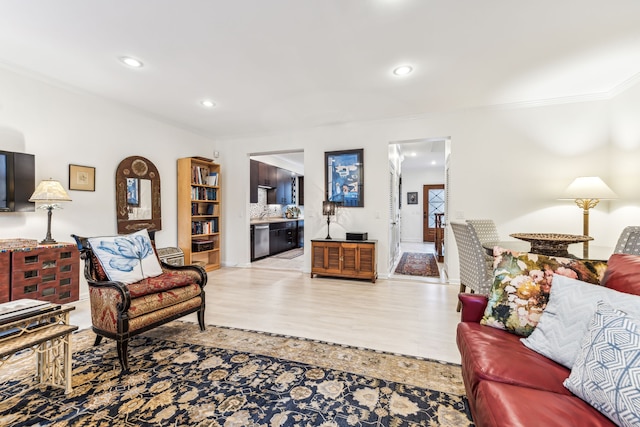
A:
(606, 373)
(127, 258)
(566, 317)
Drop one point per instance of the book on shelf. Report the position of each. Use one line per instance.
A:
(213, 179)
(202, 193)
(204, 227)
(199, 175)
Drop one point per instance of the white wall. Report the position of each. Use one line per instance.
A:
(61, 127)
(412, 181)
(509, 164)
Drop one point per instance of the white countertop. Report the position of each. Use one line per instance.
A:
(273, 219)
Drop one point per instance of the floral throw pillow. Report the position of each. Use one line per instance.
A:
(127, 258)
(521, 286)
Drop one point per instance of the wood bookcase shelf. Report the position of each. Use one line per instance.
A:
(199, 212)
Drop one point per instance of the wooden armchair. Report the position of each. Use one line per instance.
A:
(120, 311)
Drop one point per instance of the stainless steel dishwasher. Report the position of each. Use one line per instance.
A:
(260, 240)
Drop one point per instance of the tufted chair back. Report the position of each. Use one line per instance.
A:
(473, 267)
(629, 241)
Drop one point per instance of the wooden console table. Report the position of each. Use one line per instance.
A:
(344, 258)
(44, 328)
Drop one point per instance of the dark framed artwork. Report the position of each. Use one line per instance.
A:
(82, 178)
(344, 177)
(412, 198)
(133, 194)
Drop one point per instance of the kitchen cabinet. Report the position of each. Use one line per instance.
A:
(267, 175)
(282, 237)
(283, 187)
(300, 236)
(344, 258)
(253, 181)
(300, 191)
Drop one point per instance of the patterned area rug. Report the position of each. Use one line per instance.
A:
(293, 253)
(418, 264)
(229, 377)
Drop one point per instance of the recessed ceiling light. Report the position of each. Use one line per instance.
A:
(413, 154)
(402, 70)
(207, 103)
(131, 62)
(433, 162)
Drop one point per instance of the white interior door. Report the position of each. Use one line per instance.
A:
(394, 218)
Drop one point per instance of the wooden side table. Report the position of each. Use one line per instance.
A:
(44, 328)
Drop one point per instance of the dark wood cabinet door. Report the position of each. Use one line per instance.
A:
(267, 175)
(284, 187)
(253, 182)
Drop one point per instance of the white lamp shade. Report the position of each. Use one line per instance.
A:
(588, 187)
(49, 191)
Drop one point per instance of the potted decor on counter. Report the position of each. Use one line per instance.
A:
(292, 212)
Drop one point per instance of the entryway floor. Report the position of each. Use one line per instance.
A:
(422, 247)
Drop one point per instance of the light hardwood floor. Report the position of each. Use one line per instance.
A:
(401, 315)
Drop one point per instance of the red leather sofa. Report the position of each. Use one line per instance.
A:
(507, 384)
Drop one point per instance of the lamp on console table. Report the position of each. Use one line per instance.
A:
(48, 193)
(587, 191)
(328, 209)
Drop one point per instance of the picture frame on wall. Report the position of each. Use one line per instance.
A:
(412, 198)
(344, 177)
(82, 178)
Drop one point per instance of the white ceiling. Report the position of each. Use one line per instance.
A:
(277, 65)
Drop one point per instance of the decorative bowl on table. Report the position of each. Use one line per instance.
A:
(553, 244)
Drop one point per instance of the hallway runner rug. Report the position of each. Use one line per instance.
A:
(418, 264)
(180, 376)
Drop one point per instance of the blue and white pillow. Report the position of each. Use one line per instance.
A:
(566, 317)
(606, 373)
(127, 258)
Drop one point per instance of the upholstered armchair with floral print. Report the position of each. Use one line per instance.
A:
(131, 291)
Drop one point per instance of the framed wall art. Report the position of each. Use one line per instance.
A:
(412, 198)
(82, 178)
(344, 177)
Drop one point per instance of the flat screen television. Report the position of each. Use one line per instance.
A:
(17, 181)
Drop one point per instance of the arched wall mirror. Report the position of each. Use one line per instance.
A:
(137, 195)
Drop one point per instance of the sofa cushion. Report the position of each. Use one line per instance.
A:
(606, 373)
(164, 282)
(623, 273)
(495, 355)
(128, 258)
(521, 286)
(155, 301)
(498, 405)
(567, 315)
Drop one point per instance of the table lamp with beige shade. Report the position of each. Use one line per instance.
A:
(587, 191)
(48, 194)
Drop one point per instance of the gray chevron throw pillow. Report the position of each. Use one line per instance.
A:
(607, 370)
(565, 319)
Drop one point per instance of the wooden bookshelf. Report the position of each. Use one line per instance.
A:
(199, 211)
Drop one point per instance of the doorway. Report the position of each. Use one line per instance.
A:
(276, 210)
(432, 204)
(420, 163)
